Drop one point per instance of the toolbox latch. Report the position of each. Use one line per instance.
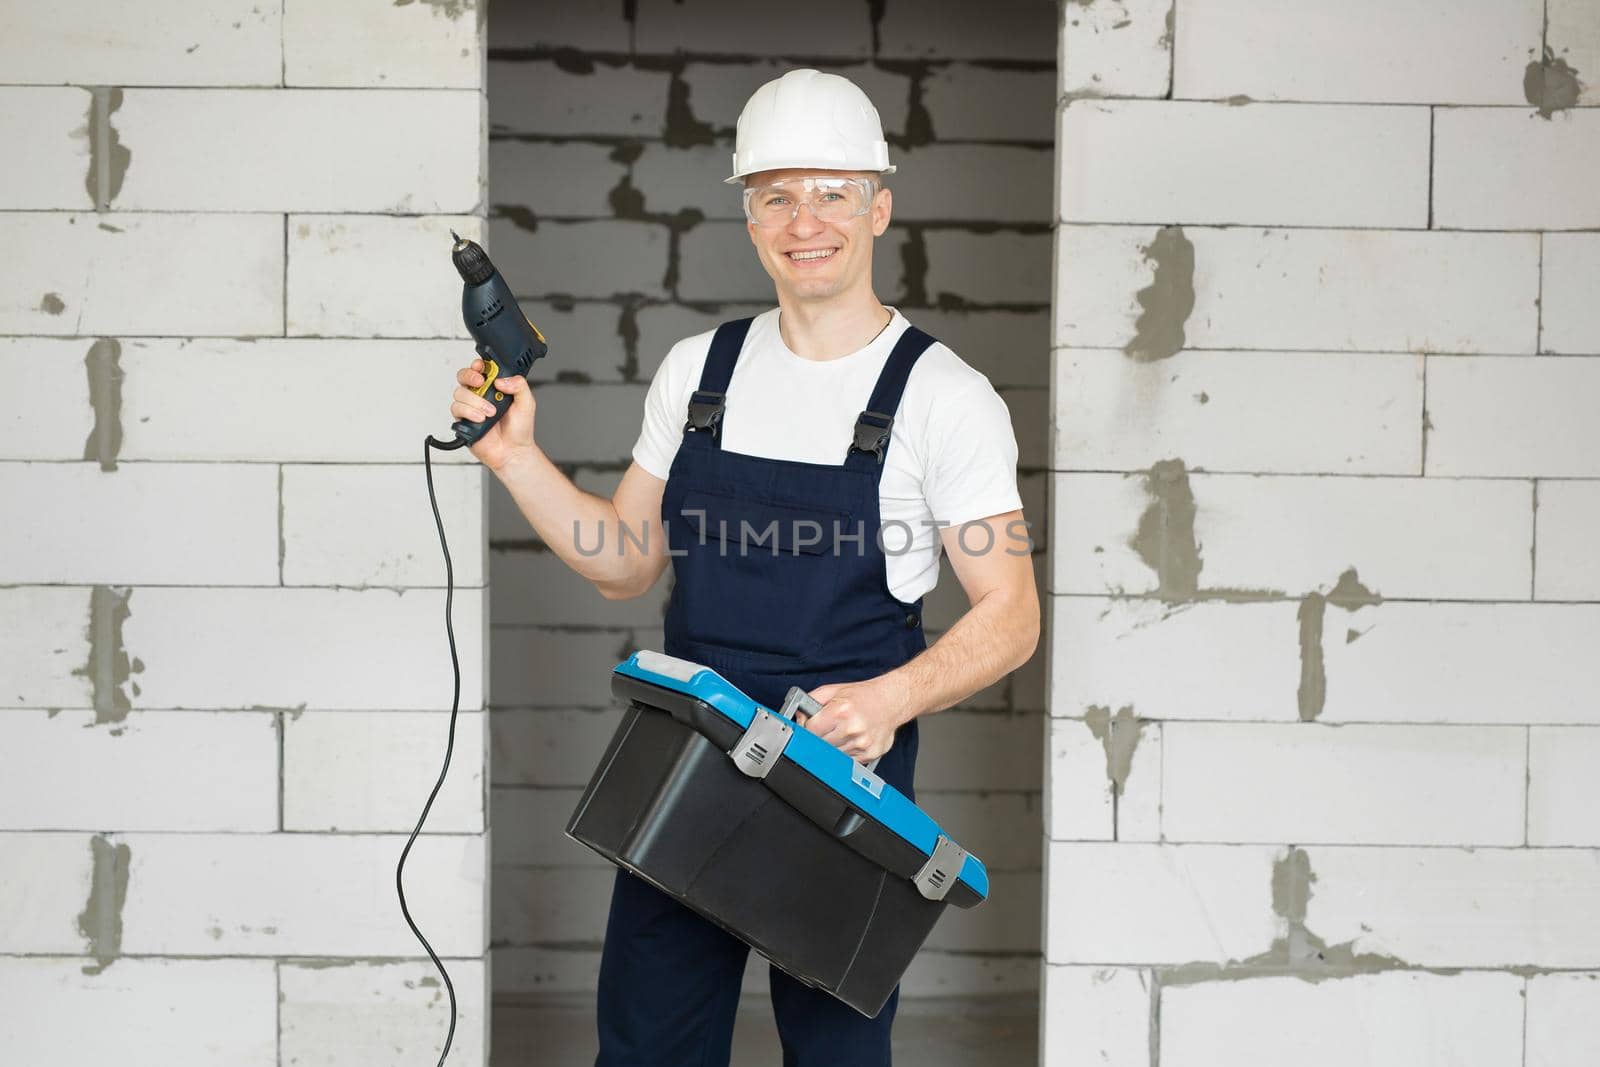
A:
(939, 873)
(763, 742)
(861, 774)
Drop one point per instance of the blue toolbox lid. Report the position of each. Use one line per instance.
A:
(856, 785)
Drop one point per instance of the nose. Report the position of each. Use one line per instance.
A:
(804, 222)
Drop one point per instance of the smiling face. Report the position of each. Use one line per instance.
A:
(814, 261)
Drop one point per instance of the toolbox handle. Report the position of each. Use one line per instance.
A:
(797, 700)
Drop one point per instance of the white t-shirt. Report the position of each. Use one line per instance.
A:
(952, 455)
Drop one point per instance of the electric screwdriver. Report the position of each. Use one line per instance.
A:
(507, 342)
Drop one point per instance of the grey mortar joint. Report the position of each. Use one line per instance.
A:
(1168, 40)
(1167, 301)
(108, 159)
(626, 201)
(278, 729)
(1551, 85)
(875, 12)
(919, 122)
(682, 129)
(1533, 547)
(103, 363)
(310, 964)
(1165, 539)
(109, 666)
(1313, 691)
(100, 922)
(1538, 303)
(1347, 593)
(628, 330)
(1297, 952)
(1291, 893)
(281, 543)
(914, 261)
(1155, 1018)
(1119, 735)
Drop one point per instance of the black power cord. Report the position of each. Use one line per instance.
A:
(455, 705)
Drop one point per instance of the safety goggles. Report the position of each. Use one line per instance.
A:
(830, 200)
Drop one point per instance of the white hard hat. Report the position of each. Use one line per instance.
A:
(809, 119)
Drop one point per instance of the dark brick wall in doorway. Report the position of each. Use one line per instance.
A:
(611, 126)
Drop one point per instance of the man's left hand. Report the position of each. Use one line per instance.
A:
(860, 718)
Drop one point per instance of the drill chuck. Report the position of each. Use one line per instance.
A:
(472, 263)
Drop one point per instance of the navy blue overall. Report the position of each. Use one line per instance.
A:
(807, 611)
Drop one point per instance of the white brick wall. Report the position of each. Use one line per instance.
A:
(185, 524)
(1096, 1015)
(356, 43)
(1561, 1019)
(227, 319)
(134, 274)
(164, 42)
(1569, 318)
(361, 1012)
(1473, 1020)
(358, 276)
(32, 122)
(1420, 51)
(1459, 907)
(168, 1011)
(1292, 164)
(1323, 741)
(1567, 517)
(1507, 417)
(1116, 48)
(1495, 170)
(410, 151)
(1309, 289)
(1462, 663)
(1325, 412)
(1291, 535)
(230, 758)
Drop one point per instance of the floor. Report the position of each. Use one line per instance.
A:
(995, 1032)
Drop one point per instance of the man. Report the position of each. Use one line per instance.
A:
(802, 471)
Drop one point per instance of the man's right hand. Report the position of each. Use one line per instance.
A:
(513, 434)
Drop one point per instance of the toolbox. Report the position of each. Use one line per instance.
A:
(769, 831)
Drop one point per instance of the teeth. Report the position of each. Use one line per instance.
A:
(821, 253)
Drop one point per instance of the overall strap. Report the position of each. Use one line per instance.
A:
(706, 404)
(873, 425)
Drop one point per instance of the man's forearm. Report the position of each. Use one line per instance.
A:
(580, 527)
(994, 637)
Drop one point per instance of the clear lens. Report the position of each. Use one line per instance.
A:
(829, 199)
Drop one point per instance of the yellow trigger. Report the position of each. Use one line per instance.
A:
(490, 373)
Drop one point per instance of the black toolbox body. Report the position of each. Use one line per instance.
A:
(824, 869)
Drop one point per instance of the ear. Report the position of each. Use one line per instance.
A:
(882, 208)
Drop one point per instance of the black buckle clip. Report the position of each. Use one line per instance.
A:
(872, 436)
(705, 412)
